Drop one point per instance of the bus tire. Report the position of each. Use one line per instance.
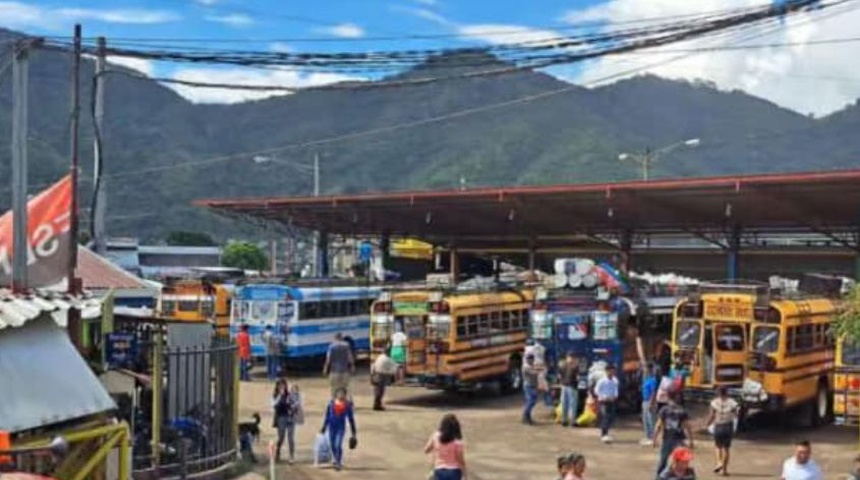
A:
(821, 408)
(513, 381)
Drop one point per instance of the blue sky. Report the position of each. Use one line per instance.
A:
(781, 75)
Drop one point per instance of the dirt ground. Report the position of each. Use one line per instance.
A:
(498, 447)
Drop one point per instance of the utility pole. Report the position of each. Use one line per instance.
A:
(316, 247)
(20, 74)
(646, 164)
(74, 286)
(99, 207)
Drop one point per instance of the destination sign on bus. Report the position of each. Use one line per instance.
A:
(410, 308)
(728, 311)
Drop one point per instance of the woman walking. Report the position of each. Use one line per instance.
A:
(446, 445)
(287, 410)
(724, 413)
(337, 414)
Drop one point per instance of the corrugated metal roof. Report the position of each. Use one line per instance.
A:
(18, 309)
(99, 273)
(45, 380)
(178, 250)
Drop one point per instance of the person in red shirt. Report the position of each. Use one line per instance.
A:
(243, 340)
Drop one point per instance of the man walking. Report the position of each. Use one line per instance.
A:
(673, 424)
(569, 376)
(531, 372)
(801, 466)
(273, 352)
(382, 373)
(243, 341)
(339, 364)
(606, 391)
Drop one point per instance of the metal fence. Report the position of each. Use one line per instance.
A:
(190, 415)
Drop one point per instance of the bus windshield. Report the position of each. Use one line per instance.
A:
(688, 334)
(850, 353)
(264, 311)
(766, 339)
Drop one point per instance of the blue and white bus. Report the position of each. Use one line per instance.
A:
(306, 318)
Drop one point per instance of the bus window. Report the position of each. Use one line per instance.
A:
(438, 329)
(730, 338)
(207, 307)
(168, 306)
(850, 353)
(188, 305)
(766, 339)
(688, 334)
(605, 326)
(541, 328)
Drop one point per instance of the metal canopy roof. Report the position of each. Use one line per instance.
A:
(827, 202)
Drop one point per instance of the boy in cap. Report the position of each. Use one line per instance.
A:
(680, 468)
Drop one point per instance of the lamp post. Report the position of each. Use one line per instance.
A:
(645, 160)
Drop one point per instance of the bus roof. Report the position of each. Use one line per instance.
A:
(275, 291)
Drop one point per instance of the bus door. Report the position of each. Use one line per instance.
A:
(729, 354)
(687, 344)
(415, 328)
(287, 315)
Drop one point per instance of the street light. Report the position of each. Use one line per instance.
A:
(651, 156)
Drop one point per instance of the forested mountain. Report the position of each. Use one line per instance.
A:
(574, 136)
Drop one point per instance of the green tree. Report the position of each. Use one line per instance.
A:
(244, 255)
(848, 321)
(190, 239)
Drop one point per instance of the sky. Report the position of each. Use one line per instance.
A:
(810, 79)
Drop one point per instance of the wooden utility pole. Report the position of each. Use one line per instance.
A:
(74, 286)
(20, 247)
(99, 207)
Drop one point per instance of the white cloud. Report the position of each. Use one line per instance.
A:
(233, 19)
(140, 65)
(22, 15)
(424, 13)
(281, 47)
(429, 3)
(808, 79)
(505, 34)
(206, 3)
(236, 76)
(129, 16)
(344, 30)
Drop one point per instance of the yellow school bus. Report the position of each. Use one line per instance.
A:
(846, 382)
(773, 352)
(196, 301)
(409, 310)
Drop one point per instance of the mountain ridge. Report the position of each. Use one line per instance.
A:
(575, 136)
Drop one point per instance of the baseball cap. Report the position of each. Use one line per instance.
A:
(682, 454)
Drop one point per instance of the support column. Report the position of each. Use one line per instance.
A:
(733, 267)
(454, 264)
(626, 245)
(385, 250)
(532, 255)
(322, 252)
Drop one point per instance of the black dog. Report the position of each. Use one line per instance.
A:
(249, 434)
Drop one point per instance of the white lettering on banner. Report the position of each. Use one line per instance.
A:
(44, 242)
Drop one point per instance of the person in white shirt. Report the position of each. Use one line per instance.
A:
(606, 391)
(382, 372)
(399, 343)
(801, 466)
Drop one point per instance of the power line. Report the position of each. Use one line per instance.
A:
(355, 85)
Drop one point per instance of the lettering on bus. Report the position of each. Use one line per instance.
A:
(728, 311)
(410, 308)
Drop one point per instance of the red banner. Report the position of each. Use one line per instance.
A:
(49, 243)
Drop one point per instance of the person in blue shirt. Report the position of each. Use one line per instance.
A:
(649, 392)
(338, 412)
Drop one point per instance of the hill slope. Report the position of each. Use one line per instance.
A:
(573, 136)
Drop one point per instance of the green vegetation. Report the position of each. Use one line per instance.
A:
(848, 322)
(190, 239)
(571, 137)
(244, 255)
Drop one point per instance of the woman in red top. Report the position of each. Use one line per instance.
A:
(446, 445)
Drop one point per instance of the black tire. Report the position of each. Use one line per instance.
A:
(821, 407)
(513, 381)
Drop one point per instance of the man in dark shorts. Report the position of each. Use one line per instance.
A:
(339, 364)
(672, 431)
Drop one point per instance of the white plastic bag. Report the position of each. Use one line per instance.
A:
(322, 450)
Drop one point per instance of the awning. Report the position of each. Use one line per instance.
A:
(45, 380)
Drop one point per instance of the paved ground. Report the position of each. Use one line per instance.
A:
(499, 448)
